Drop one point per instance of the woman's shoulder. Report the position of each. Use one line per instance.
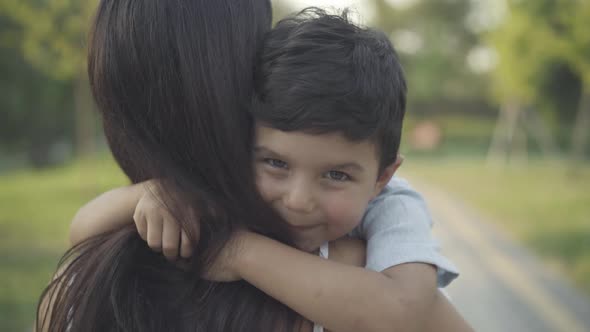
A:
(349, 251)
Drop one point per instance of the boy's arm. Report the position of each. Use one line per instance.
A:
(397, 227)
(109, 211)
(342, 297)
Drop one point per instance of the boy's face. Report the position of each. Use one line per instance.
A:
(320, 184)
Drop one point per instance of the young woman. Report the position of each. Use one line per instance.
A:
(172, 80)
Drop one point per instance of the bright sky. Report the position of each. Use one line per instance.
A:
(364, 7)
(323, 3)
(361, 6)
(485, 14)
(345, 3)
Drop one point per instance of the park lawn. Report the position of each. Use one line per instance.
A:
(545, 205)
(36, 208)
(541, 205)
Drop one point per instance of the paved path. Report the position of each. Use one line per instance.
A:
(502, 287)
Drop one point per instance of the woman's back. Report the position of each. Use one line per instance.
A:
(172, 80)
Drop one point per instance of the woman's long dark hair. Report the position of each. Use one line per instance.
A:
(172, 80)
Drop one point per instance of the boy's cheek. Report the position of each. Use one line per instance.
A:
(265, 186)
(345, 214)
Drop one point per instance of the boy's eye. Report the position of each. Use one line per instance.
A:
(337, 176)
(276, 163)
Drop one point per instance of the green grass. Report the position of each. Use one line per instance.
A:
(35, 210)
(544, 204)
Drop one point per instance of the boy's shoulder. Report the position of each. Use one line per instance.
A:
(397, 203)
(397, 191)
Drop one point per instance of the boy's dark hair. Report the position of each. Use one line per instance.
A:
(321, 73)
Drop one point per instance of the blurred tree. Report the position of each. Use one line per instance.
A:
(434, 41)
(522, 60)
(51, 38)
(576, 50)
(542, 45)
(35, 110)
(44, 78)
(281, 8)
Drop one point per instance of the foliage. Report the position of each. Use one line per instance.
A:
(534, 35)
(544, 45)
(43, 55)
(435, 64)
(35, 109)
(53, 33)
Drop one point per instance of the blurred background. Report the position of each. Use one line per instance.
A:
(496, 138)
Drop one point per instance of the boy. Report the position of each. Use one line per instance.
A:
(328, 113)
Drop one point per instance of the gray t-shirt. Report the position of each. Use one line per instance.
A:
(397, 228)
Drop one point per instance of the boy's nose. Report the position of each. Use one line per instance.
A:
(299, 198)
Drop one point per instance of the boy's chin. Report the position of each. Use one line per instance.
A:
(308, 246)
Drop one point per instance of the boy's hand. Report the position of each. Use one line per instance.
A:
(156, 225)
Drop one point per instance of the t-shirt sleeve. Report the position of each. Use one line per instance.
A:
(397, 228)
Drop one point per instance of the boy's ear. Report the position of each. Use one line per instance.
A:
(387, 174)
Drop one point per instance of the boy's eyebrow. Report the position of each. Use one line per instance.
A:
(350, 166)
(259, 148)
(353, 166)
(263, 149)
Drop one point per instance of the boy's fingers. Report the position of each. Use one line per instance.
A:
(170, 238)
(154, 234)
(186, 249)
(141, 225)
(195, 218)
